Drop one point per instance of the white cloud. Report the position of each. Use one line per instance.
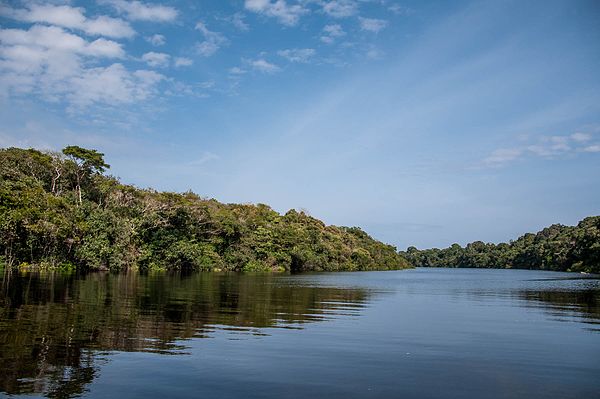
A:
(237, 20)
(57, 65)
(207, 48)
(237, 71)
(372, 24)
(548, 147)
(156, 40)
(72, 18)
(263, 66)
(400, 10)
(104, 48)
(502, 156)
(297, 55)
(139, 11)
(374, 53)
(581, 137)
(107, 26)
(182, 61)
(212, 41)
(340, 8)
(52, 40)
(286, 14)
(112, 85)
(156, 59)
(205, 157)
(331, 33)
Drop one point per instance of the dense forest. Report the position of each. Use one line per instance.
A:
(60, 210)
(558, 247)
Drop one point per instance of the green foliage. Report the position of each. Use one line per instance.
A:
(60, 209)
(256, 266)
(558, 247)
(91, 160)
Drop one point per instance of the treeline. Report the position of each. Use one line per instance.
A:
(558, 247)
(61, 210)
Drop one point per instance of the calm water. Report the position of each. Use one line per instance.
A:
(424, 333)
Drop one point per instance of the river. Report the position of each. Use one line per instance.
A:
(422, 333)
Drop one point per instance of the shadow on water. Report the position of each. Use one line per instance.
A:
(53, 326)
(565, 304)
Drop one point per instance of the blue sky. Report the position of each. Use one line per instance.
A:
(425, 123)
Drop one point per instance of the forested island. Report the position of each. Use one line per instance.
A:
(61, 210)
(558, 248)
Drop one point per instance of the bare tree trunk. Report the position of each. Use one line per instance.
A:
(8, 256)
(55, 179)
(78, 186)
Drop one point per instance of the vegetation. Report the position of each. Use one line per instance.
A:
(59, 210)
(558, 247)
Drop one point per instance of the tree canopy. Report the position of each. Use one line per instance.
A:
(91, 160)
(558, 247)
(57, 212)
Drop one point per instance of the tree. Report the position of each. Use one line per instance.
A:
(57, 166)
(87, 162)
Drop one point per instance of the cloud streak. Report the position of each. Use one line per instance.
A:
(548, 147)
(139, 11)
(212, 41)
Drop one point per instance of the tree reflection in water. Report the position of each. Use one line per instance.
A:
(53, 326)
(56, 330)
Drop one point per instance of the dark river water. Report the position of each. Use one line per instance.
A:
(424, 333)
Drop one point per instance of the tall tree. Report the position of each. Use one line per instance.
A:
(87, 162)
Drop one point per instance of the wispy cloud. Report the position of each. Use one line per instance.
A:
(302, 55)
(262, 65)
(237, 20)
(236, 71)
(212, 41)
(592, 148)
(400, 10)
(139, 11)
(545, 147)
(182, 62)
(286, 14)
(156, 40)
(503, 156)
(331, 33)
(71, 18)
(372, 24)
(340, 8)
(205, 157)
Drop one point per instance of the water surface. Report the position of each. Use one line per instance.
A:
(423, 333)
